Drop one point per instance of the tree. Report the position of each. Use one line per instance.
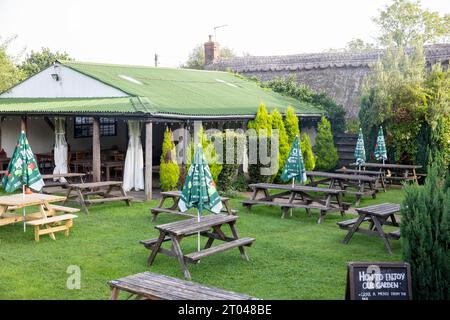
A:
(230, 167)
(291, 125)
(326, 153)
(425, 236)
(283, 142)
(38, 61)
(9, 73)
(405, 23)
(307, 152)
(169, 169)
(196, 59)
(359, 45)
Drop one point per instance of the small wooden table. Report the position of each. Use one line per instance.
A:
(153, 286)
(298, 197)
(377, 216)
(175, 196)
(209, 226)
(364, 185)
(84, 190)
(378, 174)
(406, 172)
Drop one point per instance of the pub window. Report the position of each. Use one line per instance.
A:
(83, 127)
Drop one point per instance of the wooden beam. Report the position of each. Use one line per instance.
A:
(49, 123)
(148, 160)
(96, 164)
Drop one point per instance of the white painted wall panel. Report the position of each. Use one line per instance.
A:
(71, 84)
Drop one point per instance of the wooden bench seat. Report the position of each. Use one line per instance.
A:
(148, 243)
(63, 208)
(47, 222)
(195, 256)
(91, 201)
(349, 223)
(282, 204)
(394, 234)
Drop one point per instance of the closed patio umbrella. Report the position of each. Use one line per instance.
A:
(199, 189)
(22, 170)
(360, 151)
(380, 146)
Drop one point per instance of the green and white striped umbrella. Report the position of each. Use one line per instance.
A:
(294, 168)
(22, 169)
(199, 190)
(380, 146)
(360, 152)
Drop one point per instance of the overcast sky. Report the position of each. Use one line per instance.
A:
(132, 31)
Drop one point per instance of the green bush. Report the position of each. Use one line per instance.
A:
(326, 153)
(169, 169)
(262, 131)
(307, 152)
(283, 143)
(229, 171)
(291, 125)
(425, 236)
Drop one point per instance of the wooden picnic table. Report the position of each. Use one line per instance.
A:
(377, 216)
(364, 185)
(306, 197)
(406, 172)
(8, 204)
(153, 286)
(174, 197)
(378, 174)
(83, 191)
(209, 226)
(107, 165)
(57, 179)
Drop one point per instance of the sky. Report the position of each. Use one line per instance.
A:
(132, 31)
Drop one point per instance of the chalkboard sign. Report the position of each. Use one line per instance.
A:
(378, 281)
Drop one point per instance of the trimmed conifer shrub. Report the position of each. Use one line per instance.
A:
(291, 125)
(425, 236)
(169, 169)
(307, 152)
(230, 165)
(283, 143)
(326, 152)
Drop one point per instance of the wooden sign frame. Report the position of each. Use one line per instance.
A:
(350, 286)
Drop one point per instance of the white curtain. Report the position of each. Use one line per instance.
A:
(60, 150)
(133, 173)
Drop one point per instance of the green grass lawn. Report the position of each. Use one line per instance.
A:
(292, 258)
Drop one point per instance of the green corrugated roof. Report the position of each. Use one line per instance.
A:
(165, 91)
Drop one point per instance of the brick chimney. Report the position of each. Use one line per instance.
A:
(211, 50)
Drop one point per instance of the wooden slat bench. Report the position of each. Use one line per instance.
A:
(152, 286)
(175, 196)
(196, 256)
(50, 227)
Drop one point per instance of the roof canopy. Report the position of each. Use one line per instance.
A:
(162, 92)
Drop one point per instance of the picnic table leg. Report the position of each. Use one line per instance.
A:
(177, 250)
(160, 205)
(340, 203)
(114, 294)
(416, 180)
(82, 202)
(323, 212)
(236, 236)
(354, 229)
(227, 207)
(67, 195)
(383, 236)
(124, 194)
(155, 248)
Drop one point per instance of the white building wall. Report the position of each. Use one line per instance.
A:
(71, 84)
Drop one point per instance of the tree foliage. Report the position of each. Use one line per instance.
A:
(326, 152)
(425, 236)
(307, 152)
(291, 125)
(39, 60)
(405, 23)
(276, 119)
(288, 86)
(9, 73)
(230, 167)
(196, 59)
(169, 170)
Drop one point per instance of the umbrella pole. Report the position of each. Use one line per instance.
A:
(198, 234)
(293, 185)
(23, 211)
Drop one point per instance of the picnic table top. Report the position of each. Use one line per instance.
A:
(384, 209)
(189, 226)
(24, 200)
(62, 175)
(103, 162)
(388, 165)
(361, 172)
(298, 188)
(89, 185)
(177, 193)
(340, 176)
(157, 286)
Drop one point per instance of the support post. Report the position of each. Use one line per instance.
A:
(148, 160)
(96, 162)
